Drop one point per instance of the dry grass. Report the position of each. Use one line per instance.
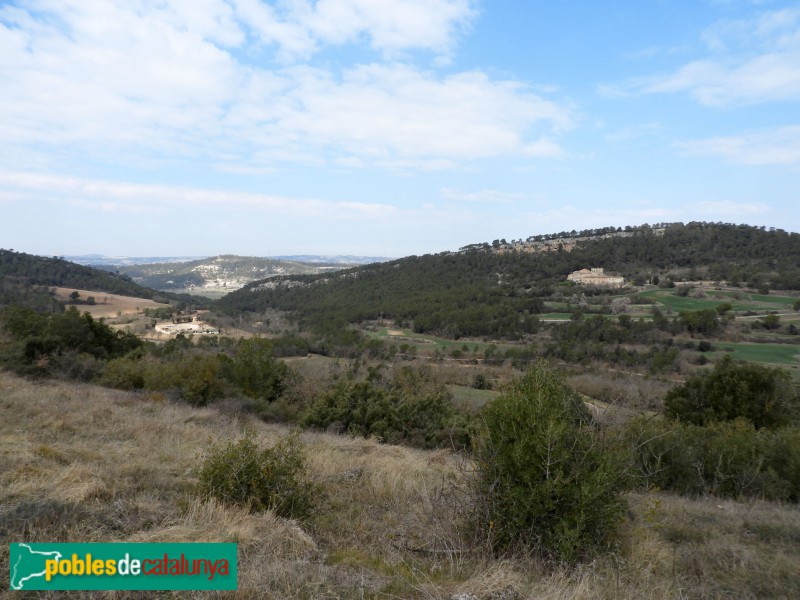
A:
(625, 393)
(83, 463)
(108, 305)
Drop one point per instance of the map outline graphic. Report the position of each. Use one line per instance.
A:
(19, 584)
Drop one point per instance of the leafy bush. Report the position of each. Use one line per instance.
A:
(409, 410)
(731, 459)
(479, 382)
(544, 481)
(763, 395)
(270, 478)
(40, 341)
(700, 321)
(256, 371)
(198, 378)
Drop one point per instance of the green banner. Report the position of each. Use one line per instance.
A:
(90, 566)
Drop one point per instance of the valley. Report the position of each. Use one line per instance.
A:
(216, 276)
(386, 381)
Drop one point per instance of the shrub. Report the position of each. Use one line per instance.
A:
(256, 370)
(763, 395)
(406, 410)
(731, 459)
(479, 382)
(37, 338)
(198, 378)
(270, 478)
(620, 305)
(700, 321)
(544, 483)
(123, 374)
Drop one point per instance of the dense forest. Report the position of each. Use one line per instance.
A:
(482, 290)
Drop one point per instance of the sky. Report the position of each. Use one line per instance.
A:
(388, 128)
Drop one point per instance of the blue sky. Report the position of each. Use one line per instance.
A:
(377, 127)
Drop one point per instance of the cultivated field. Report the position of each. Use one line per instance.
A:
(108, 305)
(741, 301)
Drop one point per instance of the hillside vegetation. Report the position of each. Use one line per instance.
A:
(123, 466)
(25, 278)
(609, 447)
(493, 291)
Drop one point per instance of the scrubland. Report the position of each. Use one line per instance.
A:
(84, 463)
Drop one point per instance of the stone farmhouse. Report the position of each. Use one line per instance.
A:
(596, 276)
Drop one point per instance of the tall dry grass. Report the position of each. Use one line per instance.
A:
(83, 463)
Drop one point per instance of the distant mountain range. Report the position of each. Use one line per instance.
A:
(347, 259)
(103, 260)
(24, 278)
(217, 275)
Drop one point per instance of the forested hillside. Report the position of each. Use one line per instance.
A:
(486, 290)
(23, 275)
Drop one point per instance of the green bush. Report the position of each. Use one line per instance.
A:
(730, 459)
(544, 481)
(270, 478)
(764, 396)
(256, 371)
(197, 378)
(38, 341)
(411, 409)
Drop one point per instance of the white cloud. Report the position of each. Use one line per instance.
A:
(776, 146)
(392, 25)
(764, 78)
(752, 61)
(123, 82)
(109, 196)
(387, 112)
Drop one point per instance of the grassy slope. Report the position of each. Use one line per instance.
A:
(778, 354)
(82, 463)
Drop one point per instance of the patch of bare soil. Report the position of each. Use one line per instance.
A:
(107, 305)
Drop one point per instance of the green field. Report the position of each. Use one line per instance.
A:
(782, 301)
(431, 342)
(747, 302)
(779, 354)
(555, 315)
(473, 398)
(314, 364)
